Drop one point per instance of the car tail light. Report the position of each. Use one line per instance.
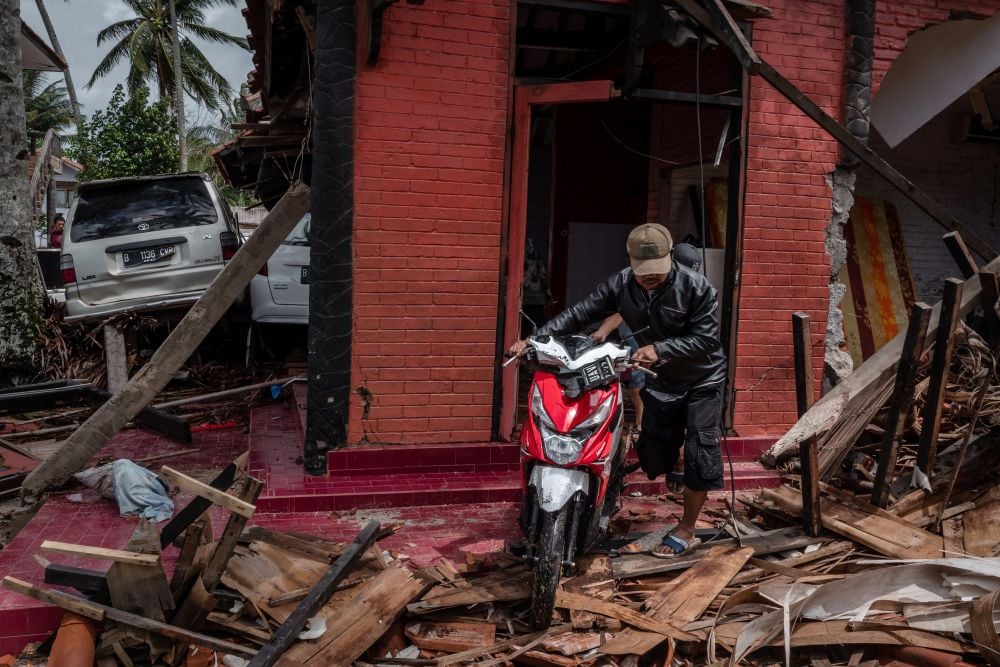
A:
(67, 269)
(230, 244)
(262, 271)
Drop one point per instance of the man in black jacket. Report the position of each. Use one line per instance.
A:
(675, 311)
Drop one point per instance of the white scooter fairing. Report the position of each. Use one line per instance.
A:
(555, 486)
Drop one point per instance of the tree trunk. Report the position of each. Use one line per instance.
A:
(70, 88)
(181, 344)
(178, 86)
(21, 298)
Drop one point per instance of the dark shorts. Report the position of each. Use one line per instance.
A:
(689, 420)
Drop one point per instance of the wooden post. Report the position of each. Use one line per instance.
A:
(116, 358)
(991, 321)
(960, 253)
(285, 635)
(943, 341)
(805, 389)
(902, 396)
(182, 342)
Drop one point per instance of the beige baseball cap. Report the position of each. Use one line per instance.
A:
(649, 249)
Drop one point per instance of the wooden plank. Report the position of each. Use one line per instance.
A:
(472, 655)
(208, 492)
(199, 601)
(774, 541)
(451, 637)
(509, 587)
(840, 633)
(116, 359)
(149, 418)
(684, 599)
(951, 311)
(572, 643)
(100, 612)
(566, 600)
(596, 578)
(181, 578)
(91, 583)
(960, 253)
(116, 555)
(871, 526)
(196, 507)
(317, 597)
(902, 397)
(355, 626)
(981, 525)
(991, 320)
(805, 397)
(140, 589)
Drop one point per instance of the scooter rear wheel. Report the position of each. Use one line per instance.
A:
(548, 569)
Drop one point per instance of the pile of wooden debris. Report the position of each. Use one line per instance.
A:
(259, 597)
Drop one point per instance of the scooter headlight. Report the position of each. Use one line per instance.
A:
(565, 448)
(561, 449)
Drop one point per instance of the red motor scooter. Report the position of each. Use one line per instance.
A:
(572, 456)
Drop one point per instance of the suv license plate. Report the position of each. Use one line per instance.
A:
(147, 255)
(305, 275)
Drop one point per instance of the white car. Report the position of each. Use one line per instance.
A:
(144, 243)
(279, 294)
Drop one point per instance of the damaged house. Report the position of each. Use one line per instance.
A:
(475, 163)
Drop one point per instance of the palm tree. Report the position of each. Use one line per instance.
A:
(54, 40)
(145, 42)
(45, 106)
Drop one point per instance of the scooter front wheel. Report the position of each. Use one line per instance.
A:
(548, 570)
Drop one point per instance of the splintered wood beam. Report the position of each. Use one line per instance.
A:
(805, 396)
(991, 293)
(116, 555)
(202, 490)
(100, 612)
(960, 253)
(196, 507)
(285, 635)
(899, 404)
(720, 23)
(934, 401)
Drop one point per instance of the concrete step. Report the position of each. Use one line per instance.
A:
(410, 488)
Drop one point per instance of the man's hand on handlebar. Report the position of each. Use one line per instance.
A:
(646, 355)
(518, 348)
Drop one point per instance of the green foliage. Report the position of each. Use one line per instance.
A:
(45, 106)
(145, 42)
(203, 139)
(129, 138)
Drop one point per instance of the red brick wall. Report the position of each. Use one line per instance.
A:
(431, 124)
(785, 266)
(788, 200)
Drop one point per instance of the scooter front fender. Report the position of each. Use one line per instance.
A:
(555, 486)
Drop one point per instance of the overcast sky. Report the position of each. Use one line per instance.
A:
(77, 23)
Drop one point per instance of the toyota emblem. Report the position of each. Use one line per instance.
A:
(143, 226)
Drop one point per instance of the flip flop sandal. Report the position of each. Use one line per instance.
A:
(675, 481)
(674, 547)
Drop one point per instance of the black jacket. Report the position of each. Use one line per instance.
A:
(681, 318)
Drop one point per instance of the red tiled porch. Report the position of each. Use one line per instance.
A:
(450, 499)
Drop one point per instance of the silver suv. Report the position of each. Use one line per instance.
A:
(144, 243)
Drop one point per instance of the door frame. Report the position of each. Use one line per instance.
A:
(525, 97)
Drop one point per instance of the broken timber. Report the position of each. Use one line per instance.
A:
(855, 395)
(154, 376)
(899, 406)
(804, 393)
(317, 597)
(934, 402)
(99, 612)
